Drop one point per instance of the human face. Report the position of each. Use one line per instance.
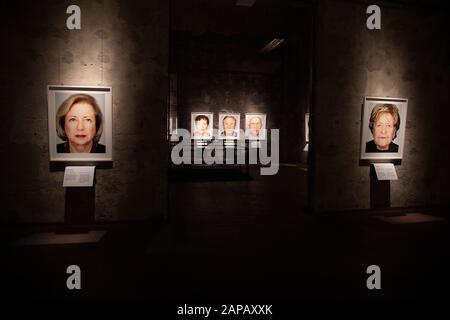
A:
(229, 124)
(384, 131)
(202, 126)
(79, 125)
(255, 125)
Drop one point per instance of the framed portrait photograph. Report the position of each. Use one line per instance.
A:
(229, 126)
(80, 123)
(202, 125)
(255, 126)
(383, 128)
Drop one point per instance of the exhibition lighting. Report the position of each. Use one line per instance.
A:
(272, 45)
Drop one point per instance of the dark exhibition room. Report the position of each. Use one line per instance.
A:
(222, 156)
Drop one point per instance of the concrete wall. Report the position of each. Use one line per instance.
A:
(220, 68)
(123, 44)
(409, 58)
(225, 74)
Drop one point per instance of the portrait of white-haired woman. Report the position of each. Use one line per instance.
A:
(384, 124)
(255, 124)
(79, 123)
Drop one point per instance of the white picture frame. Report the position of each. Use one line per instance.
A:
(230, 135)
(373, 143)
(198, 133)
(249, 132)
(60, 147)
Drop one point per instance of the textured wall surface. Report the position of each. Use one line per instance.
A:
(408, 58)
(123, 44)
(220, 68)
(220, 74)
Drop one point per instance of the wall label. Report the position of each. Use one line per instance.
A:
(79, 176)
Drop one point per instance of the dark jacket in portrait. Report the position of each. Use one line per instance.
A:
(372, 147)
(222, 134)
(96, 148)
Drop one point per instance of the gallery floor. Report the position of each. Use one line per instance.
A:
(237, 238)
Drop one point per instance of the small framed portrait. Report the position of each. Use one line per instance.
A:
(80, 123)
(255, 126)
(383, 128)
(202, 125)
(229, 125)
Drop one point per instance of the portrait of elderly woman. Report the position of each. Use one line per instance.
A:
(255, 124)
(201, 127)
(79, 123)
(383, 128)
(384, 124)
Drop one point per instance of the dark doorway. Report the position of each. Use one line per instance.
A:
(227, 58)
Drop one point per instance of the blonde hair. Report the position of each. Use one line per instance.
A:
(385, 108)
(65, 107)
